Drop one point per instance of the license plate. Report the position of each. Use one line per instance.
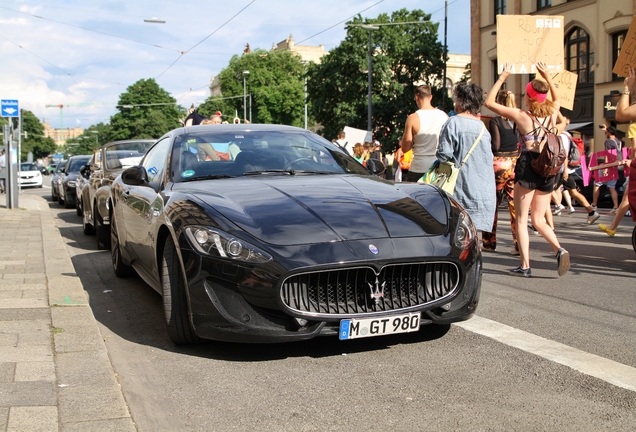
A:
(369, 327)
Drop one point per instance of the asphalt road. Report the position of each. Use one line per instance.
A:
(544, 353)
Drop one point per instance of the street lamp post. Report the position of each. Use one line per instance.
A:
(245, 72)
(370, 28)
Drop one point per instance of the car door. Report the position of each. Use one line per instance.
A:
(144, 204)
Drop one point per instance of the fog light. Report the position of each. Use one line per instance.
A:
(301, 322)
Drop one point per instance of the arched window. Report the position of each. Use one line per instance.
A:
(579, 57)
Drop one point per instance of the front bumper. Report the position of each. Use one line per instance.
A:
(226, 311)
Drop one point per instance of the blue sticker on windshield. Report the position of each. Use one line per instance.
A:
(152, 170)
(187, 173)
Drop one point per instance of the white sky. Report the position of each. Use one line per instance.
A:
(75, 52)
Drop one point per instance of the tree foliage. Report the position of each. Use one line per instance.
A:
(404, 56)
(275, 81)
(90, 140)
(145, 111)
(35, 141)
(466, 75)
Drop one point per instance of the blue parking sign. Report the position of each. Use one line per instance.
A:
(9, 108)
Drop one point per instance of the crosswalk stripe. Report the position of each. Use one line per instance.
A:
(607, 370)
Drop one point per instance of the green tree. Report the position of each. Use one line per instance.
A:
(466, 75)
(35, 141)
(145, 111)
(275, 81)
(403, 56)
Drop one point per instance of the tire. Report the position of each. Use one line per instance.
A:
(175, 305)
(78, 207)
(67, 204)
(102, 234)
(60, 200)
(86, 227)
(121, 270)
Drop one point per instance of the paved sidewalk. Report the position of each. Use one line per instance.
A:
(55, 373)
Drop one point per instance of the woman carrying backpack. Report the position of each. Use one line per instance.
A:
(532, 190)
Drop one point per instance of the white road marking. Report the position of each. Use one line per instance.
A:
(590, 364)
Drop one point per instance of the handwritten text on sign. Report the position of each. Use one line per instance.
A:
(565, 84)
(525, 40)
(627, 56)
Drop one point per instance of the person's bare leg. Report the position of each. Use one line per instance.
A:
(522, 200)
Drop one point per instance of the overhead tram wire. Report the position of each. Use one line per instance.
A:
(92, 30)
(337, 24)
(204, 39)
(364, 10)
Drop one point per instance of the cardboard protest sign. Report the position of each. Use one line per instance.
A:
(354, 135)
(565, 83)
(525, 40)
(627, 56)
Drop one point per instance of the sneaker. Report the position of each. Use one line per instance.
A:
(593, 217)
(606, 230)
(521, 272)
(563, 260)
(532, 229)
(558, 209)
(629, 213)
(514, 252)
(571, 210)
(614, 210)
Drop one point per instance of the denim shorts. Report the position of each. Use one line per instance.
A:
(610, 184)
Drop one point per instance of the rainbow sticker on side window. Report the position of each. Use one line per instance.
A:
(187, 173)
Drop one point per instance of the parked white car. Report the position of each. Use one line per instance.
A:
(29, 175)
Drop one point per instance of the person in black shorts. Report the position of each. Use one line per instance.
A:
(532, 191)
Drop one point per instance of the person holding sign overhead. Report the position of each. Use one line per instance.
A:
(531, 190)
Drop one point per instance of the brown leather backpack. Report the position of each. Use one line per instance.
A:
(552, 155)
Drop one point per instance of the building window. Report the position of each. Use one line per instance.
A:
(617, 43)
(578, 56)
(500, 7)
(542, 4)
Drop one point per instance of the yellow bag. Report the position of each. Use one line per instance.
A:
(444, 174)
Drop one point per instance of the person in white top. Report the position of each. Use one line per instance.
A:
(343, 144)
(421, 133)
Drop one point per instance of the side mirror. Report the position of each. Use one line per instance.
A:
(375, 166)
(135, 176)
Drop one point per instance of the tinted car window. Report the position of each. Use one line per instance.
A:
(155, 160)
(76, 163)
(208, 153)
(125, 155)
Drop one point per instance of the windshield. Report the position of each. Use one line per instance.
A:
(60, 166)
(28, 167)
(210, 154)
(125, 155)
(77, 163)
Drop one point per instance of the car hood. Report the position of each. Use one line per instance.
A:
(315, 209)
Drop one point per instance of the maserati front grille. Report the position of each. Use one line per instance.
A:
(360, 290)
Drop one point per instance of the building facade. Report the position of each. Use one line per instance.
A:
(594, 31)
(61, 135)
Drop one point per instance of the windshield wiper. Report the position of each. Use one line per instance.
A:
(275, 171)
(207, 177)
(315, 172)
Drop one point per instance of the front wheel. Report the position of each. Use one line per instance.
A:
(101, 232)
(175, 305)
(121, 270)
(78, 206)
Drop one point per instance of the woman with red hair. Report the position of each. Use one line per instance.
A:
(532, 191)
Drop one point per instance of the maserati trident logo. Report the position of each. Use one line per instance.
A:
(377, 291)
(374, 250)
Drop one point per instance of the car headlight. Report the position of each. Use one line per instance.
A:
(465, 233)
(38, 174)
(72, 184)
(219, 244)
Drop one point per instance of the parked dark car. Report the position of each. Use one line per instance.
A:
(55, 180)
(68, 180)
(265, 233)
(83, 180)
(111, 160)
